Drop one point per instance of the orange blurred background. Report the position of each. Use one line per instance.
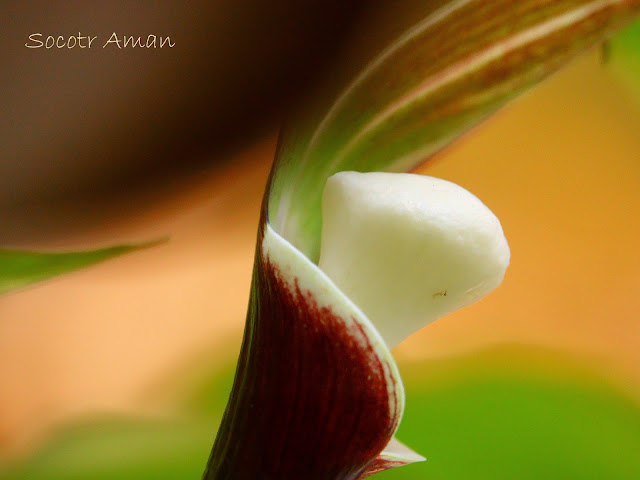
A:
(559, 167)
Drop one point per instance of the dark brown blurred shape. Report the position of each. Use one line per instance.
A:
(100, 125)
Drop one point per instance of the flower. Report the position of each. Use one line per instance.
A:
(342, 276)
(408, 249)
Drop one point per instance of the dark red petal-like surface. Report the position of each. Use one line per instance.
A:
(381, 464)
(312, 398)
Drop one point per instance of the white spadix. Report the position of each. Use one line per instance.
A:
(408, 249)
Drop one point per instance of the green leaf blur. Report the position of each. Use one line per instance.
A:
(502, 413)
(19, 269)
(492, 420)
(120, 449)
(624, 53)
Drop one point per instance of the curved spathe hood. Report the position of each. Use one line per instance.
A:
(317, 394)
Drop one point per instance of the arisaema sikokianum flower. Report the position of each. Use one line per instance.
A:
(348, 263)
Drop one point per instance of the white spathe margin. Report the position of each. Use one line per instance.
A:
(396, 451)
(295, 267)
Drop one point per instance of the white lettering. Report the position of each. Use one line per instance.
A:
(133, 42)
(167, 39)
(112, 39)
(34, 40)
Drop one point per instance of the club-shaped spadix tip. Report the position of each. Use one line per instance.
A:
(408, 249)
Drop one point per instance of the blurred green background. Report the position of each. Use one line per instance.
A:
(509, 412)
